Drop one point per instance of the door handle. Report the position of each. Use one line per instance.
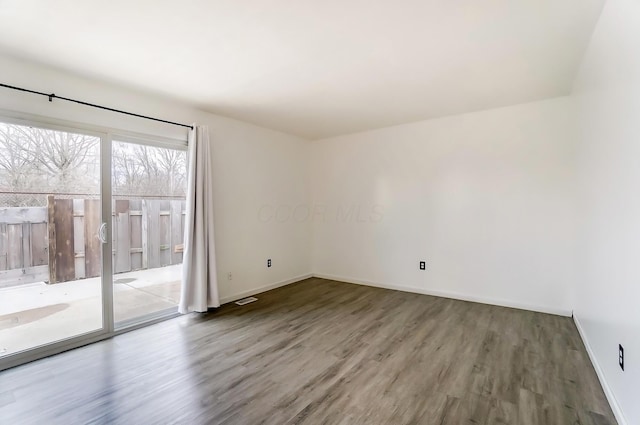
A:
(102, 233)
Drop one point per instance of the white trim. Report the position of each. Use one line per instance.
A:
(53, 348)
(254, 291)
(106, 218)
(23, 118)
(146, 320)
(452, 295)
(155, 141)
(55, 125)
(615, 407)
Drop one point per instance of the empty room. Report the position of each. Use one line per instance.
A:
(320, 212)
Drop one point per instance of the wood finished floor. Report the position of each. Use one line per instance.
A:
(321, 352)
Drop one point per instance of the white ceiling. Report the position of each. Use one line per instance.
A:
(314, 68)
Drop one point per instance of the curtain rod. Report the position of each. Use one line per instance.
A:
(54, 96)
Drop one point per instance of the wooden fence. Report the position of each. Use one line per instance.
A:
(59, 243)
(23, 246)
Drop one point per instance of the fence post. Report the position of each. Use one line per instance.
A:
(51, 226)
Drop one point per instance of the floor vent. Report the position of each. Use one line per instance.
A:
(246, 300)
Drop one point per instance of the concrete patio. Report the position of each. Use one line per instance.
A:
(36, 314)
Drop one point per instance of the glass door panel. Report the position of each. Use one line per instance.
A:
(148, 203)
(50, 251)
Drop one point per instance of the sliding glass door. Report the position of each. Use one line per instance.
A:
(52, 238)
(91, 235)
(148, 203)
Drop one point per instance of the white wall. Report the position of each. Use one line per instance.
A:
(487, 199)
(253, 167)
(607, 301)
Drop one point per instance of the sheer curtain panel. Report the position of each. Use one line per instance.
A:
(199, 280)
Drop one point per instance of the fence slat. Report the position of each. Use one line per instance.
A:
(39, 254)
(51, 230)
(176, 231)
(92, 262)
(14, 232)
(3, 246)
(145, 232)
(153, 233)
(26, 245)
(123, 237)
(165, 233)
(78, 238)
(65, 255)
(135, 229)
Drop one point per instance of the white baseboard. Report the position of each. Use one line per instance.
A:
(452, 295)
(617, 411)
(264, 288)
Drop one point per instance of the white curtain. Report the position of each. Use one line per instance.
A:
(199, 281)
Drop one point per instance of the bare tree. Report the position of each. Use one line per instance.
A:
(127, 172)
(173, 164)
(39, 160)
(146, 170)
(13, 162)
(35, 160)
(70, 160)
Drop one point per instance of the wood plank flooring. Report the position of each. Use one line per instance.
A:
(321, 352)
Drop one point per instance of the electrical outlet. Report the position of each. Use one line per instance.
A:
(269, 262)
(423, 265)
(621, 356)
(229, 276)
